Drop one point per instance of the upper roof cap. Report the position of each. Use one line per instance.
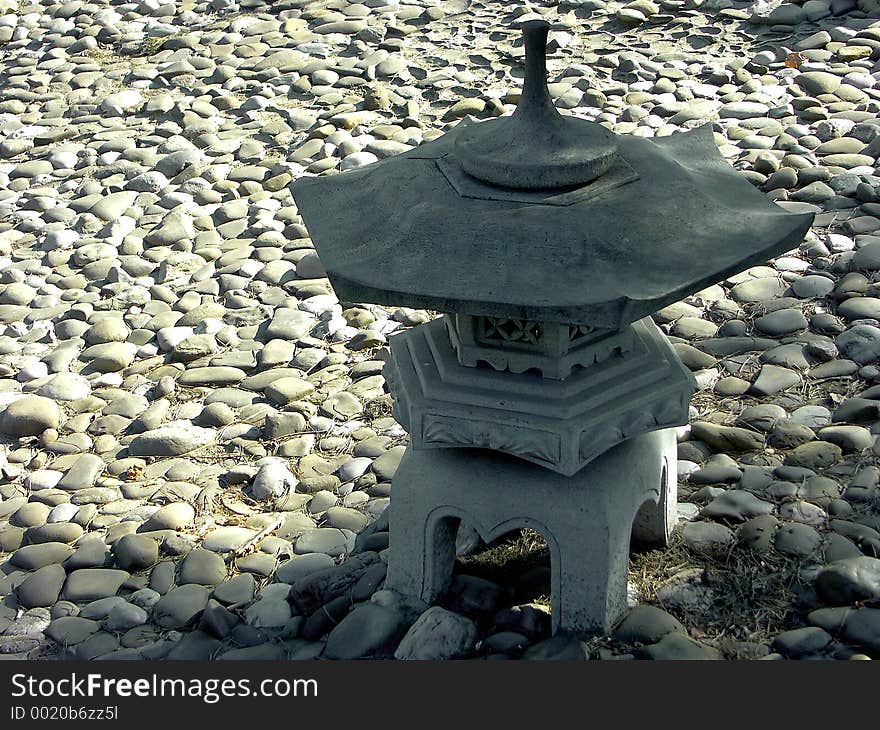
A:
(559, 151)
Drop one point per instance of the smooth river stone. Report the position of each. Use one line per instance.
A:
(109, 357)
(851, 439)
(181, 606)
(202, 567)
(818, 82)
(90, 584)
(63, 512)
(110, 207)
(385, 466)
(33, 557)
(235, 590)
(346, 519)
(55, 532)
(32, 514)
(438, 634)
(847, 581)
(29, 416)
(758, 290)
(287, 390)
(71, 630)
(860, 343)
(136, 552)
(297, 568)
(368, 629)
(859, 308)
(42, 587)
(290, 324)
(812, 286)
(325, 540)
(172, 516)
(781, 322)
(83, 473)
(65, 386)
(227, 539)
(260, 381)
(773, 378)
(736, 505)
(216, 376)
(645, 624)
(814, 455)
(172, 439)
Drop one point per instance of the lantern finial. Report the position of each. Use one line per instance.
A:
(536, 148)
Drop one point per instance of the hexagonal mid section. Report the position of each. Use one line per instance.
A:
(561, 425)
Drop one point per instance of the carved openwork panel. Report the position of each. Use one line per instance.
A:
(578, 333)
(498, 331)
(517, 345)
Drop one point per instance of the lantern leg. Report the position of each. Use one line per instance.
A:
(619, 495)
(589, 584)
(421, 534)
(658, 516)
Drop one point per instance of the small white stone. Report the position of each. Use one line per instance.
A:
(42, 479)
(62, 512)
(168, 337)
(273, 480)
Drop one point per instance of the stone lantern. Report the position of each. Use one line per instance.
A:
(545, 397)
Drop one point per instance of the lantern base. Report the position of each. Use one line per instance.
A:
(587, 520)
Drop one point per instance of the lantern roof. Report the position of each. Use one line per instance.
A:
(542, 216)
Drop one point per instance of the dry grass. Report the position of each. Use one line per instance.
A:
(754, 595)
(104, 56)
(377, 408)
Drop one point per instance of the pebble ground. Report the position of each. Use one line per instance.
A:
(196, 448)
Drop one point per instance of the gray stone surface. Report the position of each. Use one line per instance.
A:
(676, 646)
(330, 541)
(707, 537)
(172, 440)
(172, 516)
(238, 589)
(801, 642)
(181, 606)
(202, 567)
(646, 624)
(155, 270)
(367, 630)
(847, 581)
(42, 587)
(797, 540)
(268, 612)
(71, 630)
(136, 552)
(29, 415)
(89, 584)
(437, 634)
(736, 505)
(33, 557)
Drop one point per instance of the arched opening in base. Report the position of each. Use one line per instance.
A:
(518, 561)
(505, 586)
